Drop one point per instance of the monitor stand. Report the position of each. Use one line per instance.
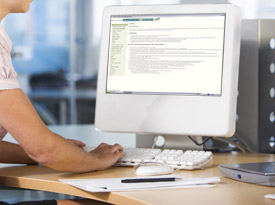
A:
(170, 142)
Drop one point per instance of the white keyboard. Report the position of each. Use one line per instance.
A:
(177, 159)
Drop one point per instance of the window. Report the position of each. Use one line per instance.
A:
(59, 41)
(40, 37)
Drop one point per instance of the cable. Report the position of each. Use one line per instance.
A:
(245, 148)
(239, 137)
(156, 140)
(242, 148)
(231, 142)
(197, 143)
(228, 141)
(154, 144)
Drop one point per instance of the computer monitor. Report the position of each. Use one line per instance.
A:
(169, 69)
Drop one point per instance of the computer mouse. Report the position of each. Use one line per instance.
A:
(147, 169)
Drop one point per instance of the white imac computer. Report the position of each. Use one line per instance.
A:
(169, 70)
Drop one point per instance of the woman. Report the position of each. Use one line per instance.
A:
(37, 144)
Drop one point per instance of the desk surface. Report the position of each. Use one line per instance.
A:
(226, 192)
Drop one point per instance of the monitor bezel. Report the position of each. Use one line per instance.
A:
(166, 114)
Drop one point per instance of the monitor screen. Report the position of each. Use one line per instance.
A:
(175, 54)
(169, 69)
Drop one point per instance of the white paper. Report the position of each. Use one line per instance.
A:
(270, 196)
(114, 184)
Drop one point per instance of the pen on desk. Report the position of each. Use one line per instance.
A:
(139, 180)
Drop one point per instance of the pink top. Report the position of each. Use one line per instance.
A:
(8, 76)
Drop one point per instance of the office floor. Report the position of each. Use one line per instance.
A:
(10, 195)
(13, 195)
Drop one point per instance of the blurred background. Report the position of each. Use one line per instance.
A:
(56, 50)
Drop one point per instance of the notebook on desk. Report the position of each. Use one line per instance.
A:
(262, 173)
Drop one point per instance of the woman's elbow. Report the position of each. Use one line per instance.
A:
(43, 157)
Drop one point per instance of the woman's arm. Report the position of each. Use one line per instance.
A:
(20, 119)
(13, 153)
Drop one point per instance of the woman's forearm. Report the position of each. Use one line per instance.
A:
(20, 119)
(63, 155)
(60, 154)
(13, 153)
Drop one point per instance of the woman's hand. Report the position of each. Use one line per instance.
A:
(107, 155)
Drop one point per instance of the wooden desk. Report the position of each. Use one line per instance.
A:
(227, 192)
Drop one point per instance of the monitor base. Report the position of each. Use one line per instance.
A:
(170, 142)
